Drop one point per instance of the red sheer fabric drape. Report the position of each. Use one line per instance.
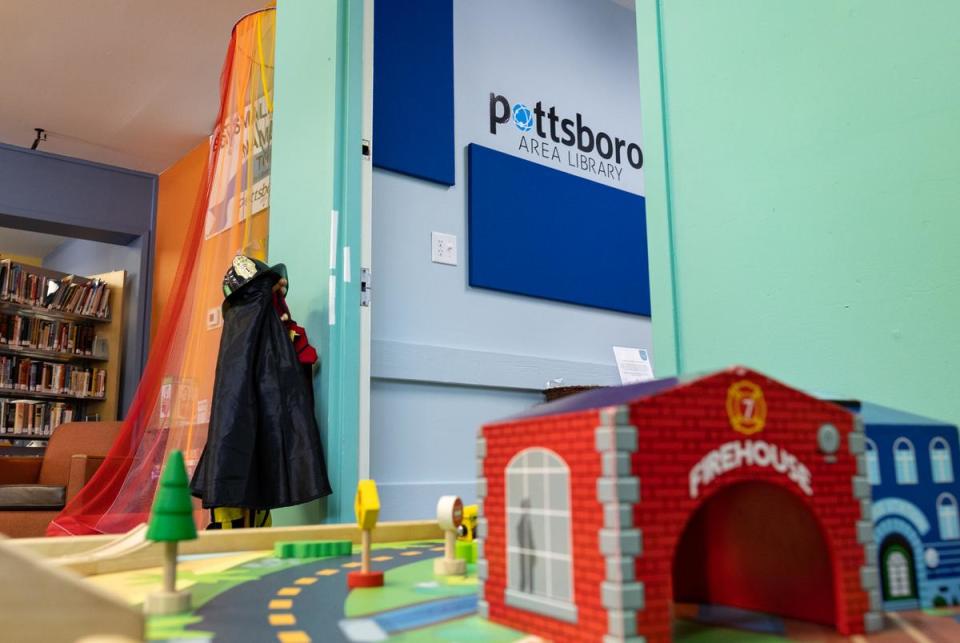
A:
(172, 405)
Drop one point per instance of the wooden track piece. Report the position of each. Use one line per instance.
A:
(48, 604)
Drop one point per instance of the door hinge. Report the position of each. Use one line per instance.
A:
(365, 286)
(365, 148)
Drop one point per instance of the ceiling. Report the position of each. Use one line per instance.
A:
(123, 82)
(129, 83)
(28, 244)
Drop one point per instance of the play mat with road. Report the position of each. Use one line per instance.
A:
(255, 596)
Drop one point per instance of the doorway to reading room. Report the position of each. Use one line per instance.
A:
(117, 321)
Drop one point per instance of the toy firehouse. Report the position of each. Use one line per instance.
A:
(602, 510)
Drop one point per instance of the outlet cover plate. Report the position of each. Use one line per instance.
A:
(443, 248)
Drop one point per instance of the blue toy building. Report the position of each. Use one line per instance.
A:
(912, 469)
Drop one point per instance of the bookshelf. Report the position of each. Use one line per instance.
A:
(60, 348)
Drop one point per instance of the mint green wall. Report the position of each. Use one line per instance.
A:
(811, 192)
(316, 134)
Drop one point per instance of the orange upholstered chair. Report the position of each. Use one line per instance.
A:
(34, 489)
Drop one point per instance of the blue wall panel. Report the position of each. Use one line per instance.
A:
(544, 233)
(413, 88)
(72, 197)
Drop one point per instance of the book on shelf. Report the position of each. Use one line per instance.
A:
(19, 284)
(39, 376)
(59, 344)
(33, 417)
(90, 298)
(101, 347)
(26, 331)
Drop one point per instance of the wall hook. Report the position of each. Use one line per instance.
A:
(41, 136)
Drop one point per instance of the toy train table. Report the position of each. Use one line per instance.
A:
(727, 507)
(288, 584)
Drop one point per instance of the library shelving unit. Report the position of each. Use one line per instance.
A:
(60, 345)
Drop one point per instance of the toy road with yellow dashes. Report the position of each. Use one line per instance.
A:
(257, 596)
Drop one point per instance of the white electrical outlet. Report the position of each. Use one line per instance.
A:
(443, 248)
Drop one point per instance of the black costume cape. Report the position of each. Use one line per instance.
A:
(263, 447)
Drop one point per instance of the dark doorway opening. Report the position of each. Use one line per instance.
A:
(756, 546)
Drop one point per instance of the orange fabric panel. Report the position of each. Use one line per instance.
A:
(176, 197)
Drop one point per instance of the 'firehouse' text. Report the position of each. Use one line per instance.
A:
(757, 453)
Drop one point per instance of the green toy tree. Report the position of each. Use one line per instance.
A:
(170, 522)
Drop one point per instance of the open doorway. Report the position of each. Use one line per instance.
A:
(85, 253)
(753, 547)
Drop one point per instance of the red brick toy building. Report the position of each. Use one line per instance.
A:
(602, 510)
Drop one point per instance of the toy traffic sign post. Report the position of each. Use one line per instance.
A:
(450, 516)
(366, 506)
(170, 522)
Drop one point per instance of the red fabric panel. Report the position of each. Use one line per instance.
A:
(177, 382)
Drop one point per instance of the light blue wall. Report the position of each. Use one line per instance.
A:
(82, 257)
(447, 358)
(423, 441)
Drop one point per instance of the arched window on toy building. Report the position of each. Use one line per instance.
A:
(947, 517)
(539, 551)
(904, 461)
(873, 462)
(898, 574)
(940, 461)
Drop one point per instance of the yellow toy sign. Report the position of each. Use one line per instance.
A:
(366, 505)
(746, 407)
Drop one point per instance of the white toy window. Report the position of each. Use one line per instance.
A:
(940, 461)
(898, 575)
(539, 539)
(873, 463)
(904, 461)
(947, 517)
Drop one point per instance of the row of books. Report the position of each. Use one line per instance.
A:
(21, 286)
(87, 298)
(42, 334)
(33, 417)
(70, 294)
(25, 374)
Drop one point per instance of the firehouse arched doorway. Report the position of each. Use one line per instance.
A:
(756, 546)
